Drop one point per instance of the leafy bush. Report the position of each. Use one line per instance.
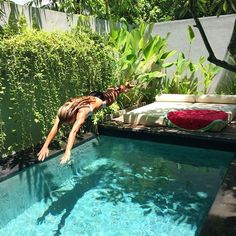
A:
(38, 72)
(142, 60)
(185, 79)
(226, 82)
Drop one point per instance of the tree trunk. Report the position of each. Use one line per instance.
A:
(107, 8)
(232, 44)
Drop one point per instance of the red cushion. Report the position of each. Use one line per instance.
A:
(195, 119)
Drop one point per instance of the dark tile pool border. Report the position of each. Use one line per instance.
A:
(171, 136)
(221, 218)
(10, 172)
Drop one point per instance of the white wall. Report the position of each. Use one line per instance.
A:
(217, 29)
(50, 20)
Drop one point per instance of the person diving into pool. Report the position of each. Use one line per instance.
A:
(75, 111)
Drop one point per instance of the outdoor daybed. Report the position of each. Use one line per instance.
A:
(188, 112)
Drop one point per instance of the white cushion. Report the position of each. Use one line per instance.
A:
(215, 98)
(175, 98)
(153, 114)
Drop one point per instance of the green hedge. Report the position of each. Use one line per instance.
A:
(38, 72)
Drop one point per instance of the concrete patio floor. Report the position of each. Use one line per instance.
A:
(221, 219)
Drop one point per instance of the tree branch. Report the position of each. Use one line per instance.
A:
(212, 58)
(232, 44)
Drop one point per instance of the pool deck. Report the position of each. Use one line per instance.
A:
(221, 219)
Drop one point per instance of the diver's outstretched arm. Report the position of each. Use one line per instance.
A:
(43, 153)
(80, 119)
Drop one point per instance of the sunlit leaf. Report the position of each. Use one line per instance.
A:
(225, 6)
(191, 34)
(156, 74)
(168, 54)
(167, 65)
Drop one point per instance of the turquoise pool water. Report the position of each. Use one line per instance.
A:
(115, 187)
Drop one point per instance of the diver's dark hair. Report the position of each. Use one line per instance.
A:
(98, 95)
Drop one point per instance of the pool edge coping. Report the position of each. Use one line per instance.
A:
(53, 153)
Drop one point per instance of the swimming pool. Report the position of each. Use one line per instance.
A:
(115, 186)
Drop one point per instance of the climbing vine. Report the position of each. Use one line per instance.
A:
(38, 72)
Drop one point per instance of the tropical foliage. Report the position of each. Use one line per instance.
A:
(135, 11)
(189, 78)
(142, 58)
(205, 7)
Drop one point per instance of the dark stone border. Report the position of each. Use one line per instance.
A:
(221, 219)
(172, 136)
(25, 159)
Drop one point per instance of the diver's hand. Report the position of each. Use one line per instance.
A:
(43, 153)
(65, 158)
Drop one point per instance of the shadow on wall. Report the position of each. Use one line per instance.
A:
(12, 13)
(225, 83)
(48, 20)
(35, 17)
